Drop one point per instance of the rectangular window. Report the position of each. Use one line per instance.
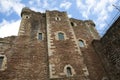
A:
(61, 36)
(1, 61)
(40, 36)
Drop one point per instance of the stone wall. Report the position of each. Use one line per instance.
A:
(109, 50)
(62, 53)
(85, 30)
(26, 59)
(26, 55)
(31, 58)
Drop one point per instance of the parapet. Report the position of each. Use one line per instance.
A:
(90, 22)
(25, 10)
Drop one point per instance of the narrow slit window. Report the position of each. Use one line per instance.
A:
(40, 36)
(72, 23)
(61, 36)
(69, 72)
(1, 61)
(81, 43)
(58, 18)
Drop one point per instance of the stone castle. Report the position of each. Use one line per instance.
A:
(51, 46)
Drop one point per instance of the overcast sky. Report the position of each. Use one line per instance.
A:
(101, 12)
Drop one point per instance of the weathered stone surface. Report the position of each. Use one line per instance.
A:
(29, 58)
(109, 50)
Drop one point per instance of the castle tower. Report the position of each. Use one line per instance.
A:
(65, 57)
(51, 46)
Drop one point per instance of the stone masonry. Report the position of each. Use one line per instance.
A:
(39, 52)
(108, 48)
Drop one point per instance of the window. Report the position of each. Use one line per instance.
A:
(26, 16)
(73, 24)
(58, 18)
(40, 36)
(69, 72)
(81, 43)
(1, 61)
(60, 36)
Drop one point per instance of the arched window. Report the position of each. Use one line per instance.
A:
(60, 36)
(73, 24)
(81, 43)
(69, 72)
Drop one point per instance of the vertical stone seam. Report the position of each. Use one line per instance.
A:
(48, 33)
(22, 28)
(88, 26)
(72, 31)
(49, 42)
(78, 49)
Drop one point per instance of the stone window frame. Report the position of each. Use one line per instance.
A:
(72, 70)
(57, 37)
(42, 36)
(84, 41)
(85, 70)
(57, 18)
(73, 24)
(26, 16)
(4, 63)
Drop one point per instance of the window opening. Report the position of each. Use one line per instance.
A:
(40, 36)
(1, 61)
(27, 16)
(69, 72)
(58, 18)
(61, 36)
(72, 23)
(81, 43)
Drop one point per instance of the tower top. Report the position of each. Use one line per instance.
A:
(25, 10)
(90, 22)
